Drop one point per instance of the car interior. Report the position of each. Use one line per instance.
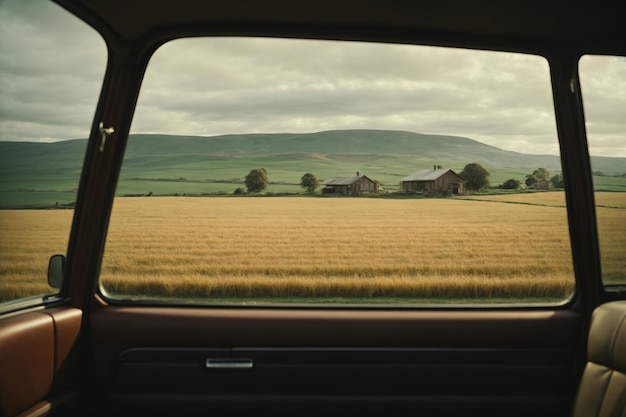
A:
(87, 348)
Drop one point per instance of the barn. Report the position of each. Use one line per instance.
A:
(356, 185)
(433, 181)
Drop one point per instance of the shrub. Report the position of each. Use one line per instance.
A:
(511, 184)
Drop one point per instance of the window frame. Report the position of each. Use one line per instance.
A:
(570, 302)
(58, 296)
(609, 292)
(127, 63)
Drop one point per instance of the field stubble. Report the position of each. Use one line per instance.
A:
(336, 248)
(299, 249)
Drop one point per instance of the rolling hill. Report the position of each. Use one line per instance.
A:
(47, 173)
(337, 142)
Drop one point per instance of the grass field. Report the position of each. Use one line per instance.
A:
(27, 240)
(38, 192)
(46, 174)
(483, 249)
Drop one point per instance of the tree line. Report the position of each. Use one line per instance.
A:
(257, 180)
(475, 175)
(477, 178)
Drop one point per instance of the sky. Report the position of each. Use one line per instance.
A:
(52, 65)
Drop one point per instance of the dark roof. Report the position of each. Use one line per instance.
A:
(426, 175)
(344, 180)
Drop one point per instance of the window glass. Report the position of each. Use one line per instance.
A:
(298, 171)
(51, 68)
(603, 82)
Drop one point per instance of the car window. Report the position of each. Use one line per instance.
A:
(603, 83)
(51, 69)
(265, 171)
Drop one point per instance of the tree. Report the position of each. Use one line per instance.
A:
(476, 177)
(538, 175)
(557, 181)
(309, 182)
(256, 180)
(511, 184)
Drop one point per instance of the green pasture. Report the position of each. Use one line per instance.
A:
(602, 183)
(47, 174)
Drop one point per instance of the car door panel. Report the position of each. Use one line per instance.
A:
(39, 362)
(444, 362)
(26, 360)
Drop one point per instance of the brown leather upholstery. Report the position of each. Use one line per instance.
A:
(602, 391)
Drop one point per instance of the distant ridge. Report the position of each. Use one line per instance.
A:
(339, 145)
(383, 142)
(354, 142)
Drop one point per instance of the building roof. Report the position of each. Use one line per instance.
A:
(342, 180)
(426, 175)
(345, 180)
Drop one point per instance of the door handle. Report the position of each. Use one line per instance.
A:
(229, 363)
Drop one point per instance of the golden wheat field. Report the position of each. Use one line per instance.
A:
(333, 249)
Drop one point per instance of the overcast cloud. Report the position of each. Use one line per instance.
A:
(51, 68)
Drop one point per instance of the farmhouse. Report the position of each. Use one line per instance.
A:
(433, 181)
(350, 185)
